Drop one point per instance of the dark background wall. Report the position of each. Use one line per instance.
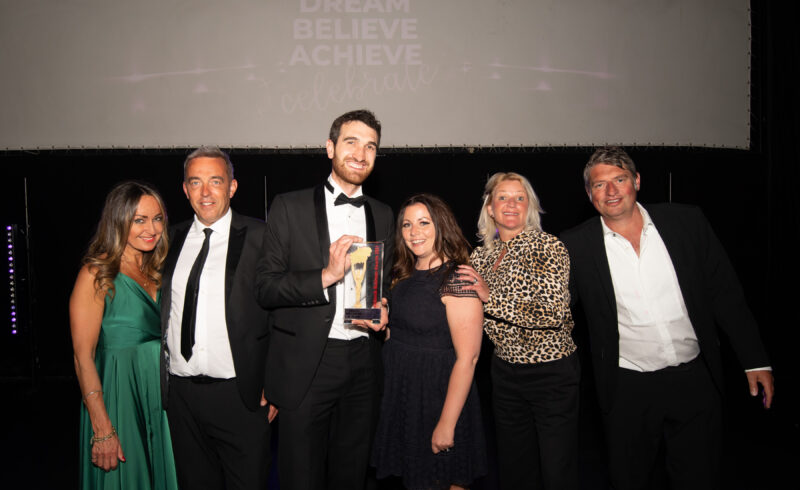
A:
(749, 197)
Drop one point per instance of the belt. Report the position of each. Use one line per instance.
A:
(201, 379)
(685, 366)
(357, 340)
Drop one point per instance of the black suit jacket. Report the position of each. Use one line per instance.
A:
(296, 249)
(248, 330)
(708, 283)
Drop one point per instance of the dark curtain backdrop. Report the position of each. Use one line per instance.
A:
(749, 197)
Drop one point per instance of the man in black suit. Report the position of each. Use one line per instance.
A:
(215, 336)
(655, 283)
(330, 370)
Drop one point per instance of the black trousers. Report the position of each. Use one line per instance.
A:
(326, 441)
(536, 418)
(678, 407)
(217, 441)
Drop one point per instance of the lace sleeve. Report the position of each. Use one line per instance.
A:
(453, 286)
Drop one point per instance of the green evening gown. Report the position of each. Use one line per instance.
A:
(127, 360)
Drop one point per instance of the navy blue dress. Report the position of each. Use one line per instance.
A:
(418, 359)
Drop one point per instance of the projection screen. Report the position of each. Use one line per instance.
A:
(274, 73)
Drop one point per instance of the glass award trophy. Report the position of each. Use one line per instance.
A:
(363, 282)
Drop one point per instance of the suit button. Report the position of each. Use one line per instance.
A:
(327, 318)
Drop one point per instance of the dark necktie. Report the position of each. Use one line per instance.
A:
(355, 201)
(190, 299)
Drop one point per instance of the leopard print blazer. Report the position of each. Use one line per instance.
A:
(527, 316)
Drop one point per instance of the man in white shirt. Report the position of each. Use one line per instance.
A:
(330, 370)
(655, 283)
(215, 336)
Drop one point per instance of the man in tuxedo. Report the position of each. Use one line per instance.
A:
(330, 370)
(215, 336)
(655, 283)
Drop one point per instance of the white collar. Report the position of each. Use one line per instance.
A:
(337, 190)
(221, 226)
(646, 222)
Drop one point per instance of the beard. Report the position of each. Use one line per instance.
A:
(348, 175)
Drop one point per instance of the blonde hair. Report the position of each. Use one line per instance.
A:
(487, 228)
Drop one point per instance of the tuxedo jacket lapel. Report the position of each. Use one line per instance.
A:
(596, 243)
(675, 243)
(370, 222)
(321, 216)
(175, 246)
(178, 238)
(235, 244)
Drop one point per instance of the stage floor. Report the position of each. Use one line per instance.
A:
(40, 442)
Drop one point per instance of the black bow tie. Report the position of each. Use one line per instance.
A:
(355, 201)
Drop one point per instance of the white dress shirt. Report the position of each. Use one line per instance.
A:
(211, 355)
(344, 219)
(654, 327)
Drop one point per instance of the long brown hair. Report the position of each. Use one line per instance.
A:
(109, 242)
(450, 243)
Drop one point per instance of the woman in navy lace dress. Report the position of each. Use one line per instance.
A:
(430, 432)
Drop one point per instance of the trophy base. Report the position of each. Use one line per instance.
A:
(373, 314)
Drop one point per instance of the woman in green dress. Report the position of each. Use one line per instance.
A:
(116, 337)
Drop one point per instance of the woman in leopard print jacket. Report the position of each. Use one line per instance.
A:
(522, 275)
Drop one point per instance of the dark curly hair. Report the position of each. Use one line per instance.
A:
(450, 244)
(362, 115)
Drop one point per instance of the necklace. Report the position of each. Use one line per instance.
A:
(135, 271)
